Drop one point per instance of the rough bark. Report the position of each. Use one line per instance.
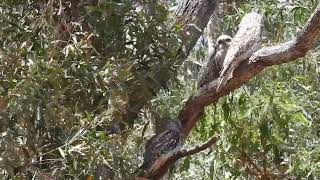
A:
(213, 29)
(246, 41)
(259, 60)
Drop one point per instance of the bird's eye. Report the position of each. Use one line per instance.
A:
(219, 42)
(228, 40)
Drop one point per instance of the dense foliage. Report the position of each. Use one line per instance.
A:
(67, 69)
(64, 67)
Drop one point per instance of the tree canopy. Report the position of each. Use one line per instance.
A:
(85, 84)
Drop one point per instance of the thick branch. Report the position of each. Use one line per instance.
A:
(259, 60)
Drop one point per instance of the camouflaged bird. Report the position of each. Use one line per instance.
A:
(243, 44)
(211, 70)
(161, 147)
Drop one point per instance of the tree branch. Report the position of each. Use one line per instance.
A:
(258, 61)
(244, 71)
(202, 147)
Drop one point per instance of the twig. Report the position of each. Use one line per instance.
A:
(207, 144)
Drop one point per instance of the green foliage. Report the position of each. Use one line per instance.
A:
(65, 73)
(282, 19)
(271, 123)
(67, 67)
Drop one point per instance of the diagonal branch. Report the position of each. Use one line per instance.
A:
(258, 61)
(243, 71)
(202, 147)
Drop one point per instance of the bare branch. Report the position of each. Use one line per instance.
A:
(202, 147)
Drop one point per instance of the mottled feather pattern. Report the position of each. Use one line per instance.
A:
(244, 43)
(205, 70)
(170, 143)
(161, 147)
(211, 70)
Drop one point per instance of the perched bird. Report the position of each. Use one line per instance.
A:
(244, 43)
(161, 147)
(211, 70)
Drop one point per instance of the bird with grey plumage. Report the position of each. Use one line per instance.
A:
(245, 42)
(161, 147)
(211, 69)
